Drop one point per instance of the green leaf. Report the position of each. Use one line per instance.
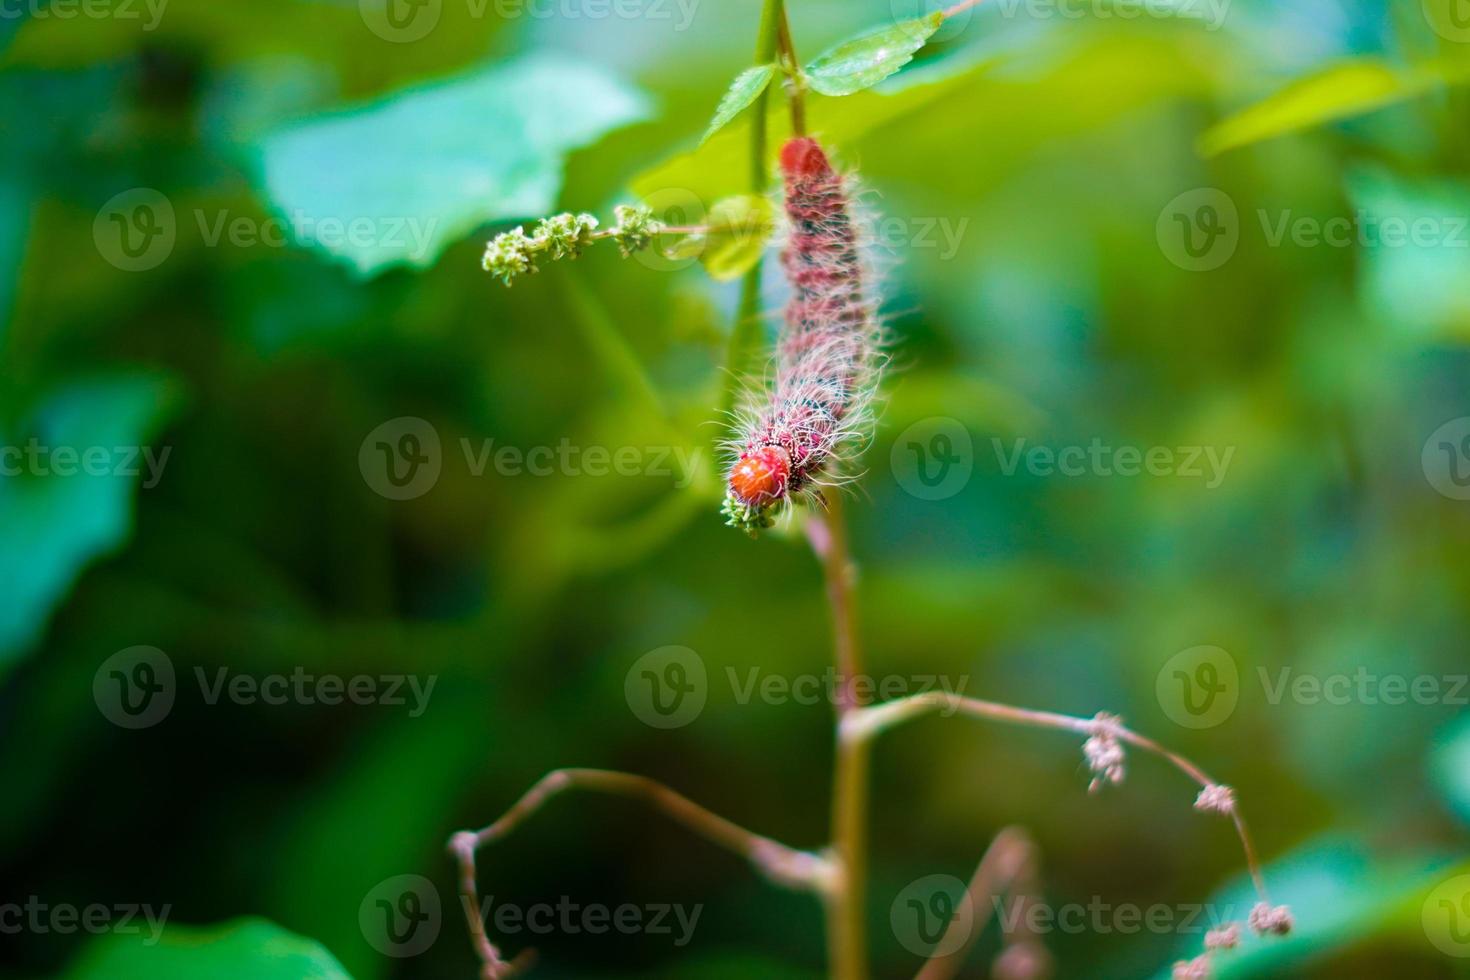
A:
(864, 61)
(720, 166)
(1450, 768)
(58, 514)
(1416, 266)
(1341, 90)
(395, 181)
(1340, 892)
(746, 88)
(248, 949)
(739, 229)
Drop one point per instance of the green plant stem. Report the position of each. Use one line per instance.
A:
(773, 17)
(795, 81)
(745, 334)
(847, 941)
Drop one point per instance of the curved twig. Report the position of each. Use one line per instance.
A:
(783, 865)
(867, 722)
(1009, 865)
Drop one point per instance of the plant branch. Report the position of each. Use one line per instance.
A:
(864, 724)
(846, 922)
(795, 81)
(746, 331)
(961, 7)
(783, 865)
(1009, 865)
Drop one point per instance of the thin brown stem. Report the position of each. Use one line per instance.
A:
(961, 7)
(1008, 866)
(781, 864)
(828, 535)
(847, 942)
(862, 725)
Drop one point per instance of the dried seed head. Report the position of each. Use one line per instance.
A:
(1104, 751)
(1274, 919)
(1198, 968)
(1022, 961)
(1216, 798)
(1225, 937)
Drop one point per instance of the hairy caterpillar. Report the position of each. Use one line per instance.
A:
(793, 438)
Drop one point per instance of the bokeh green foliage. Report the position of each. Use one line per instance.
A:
(1052, 144)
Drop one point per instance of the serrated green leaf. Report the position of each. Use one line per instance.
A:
(720, 166)
(745, 89)
(395, 181)
(1341, 90)
(249, 949)
(739, 229)
(864, 61)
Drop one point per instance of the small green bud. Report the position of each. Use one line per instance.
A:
(510, 254)
(750, 519)
(565, 235)
(635, 228)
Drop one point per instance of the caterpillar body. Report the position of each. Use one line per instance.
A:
(797, 434)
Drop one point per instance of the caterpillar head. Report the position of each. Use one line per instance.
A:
(803, 157)
(758, 483)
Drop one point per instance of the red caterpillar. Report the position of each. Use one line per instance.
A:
(793, 440)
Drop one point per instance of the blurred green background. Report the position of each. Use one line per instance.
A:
(157, 290)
